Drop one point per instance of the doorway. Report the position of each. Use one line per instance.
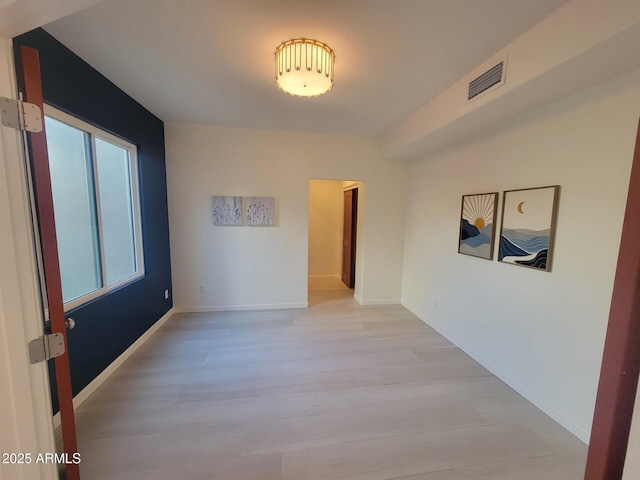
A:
(350, 221)
(332, 240)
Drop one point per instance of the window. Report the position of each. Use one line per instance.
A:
(97, 208)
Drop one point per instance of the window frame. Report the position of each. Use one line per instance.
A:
(96, 132)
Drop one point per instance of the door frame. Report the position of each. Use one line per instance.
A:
(354, 233)
(40, 181)
(621, 357)
(28, 403)
(348, 184)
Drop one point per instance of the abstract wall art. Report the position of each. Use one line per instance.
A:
(261, 211)
(478, 225)
(227, 210)
(528, 227)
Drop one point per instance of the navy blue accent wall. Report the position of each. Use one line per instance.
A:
(107, 326)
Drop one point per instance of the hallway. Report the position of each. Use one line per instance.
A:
(327, 290)
(333, 391)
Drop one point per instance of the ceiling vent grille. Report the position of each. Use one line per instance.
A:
(492, 77)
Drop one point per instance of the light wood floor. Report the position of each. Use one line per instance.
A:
(335, 391)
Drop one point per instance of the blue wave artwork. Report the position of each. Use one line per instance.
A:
(539, 261)
(525, 247)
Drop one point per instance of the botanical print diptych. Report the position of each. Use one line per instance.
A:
(261, 211)
(227, 210)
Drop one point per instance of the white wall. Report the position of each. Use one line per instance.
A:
(243, 267)
(326, 212)
(541, 332)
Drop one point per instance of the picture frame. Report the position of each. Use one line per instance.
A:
(478, 225)
(226, 210)
(260, 211)
(527, 229)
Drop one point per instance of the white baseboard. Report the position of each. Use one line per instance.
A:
(107, 372)
(571, 426)
(232, 308)
(373, 303)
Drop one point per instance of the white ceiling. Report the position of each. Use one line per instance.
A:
(212, 61)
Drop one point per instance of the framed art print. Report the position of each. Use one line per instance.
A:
(528, 227)
(227, 210)
(478, 225)
(261, 211)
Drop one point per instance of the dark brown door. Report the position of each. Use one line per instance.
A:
(349, 237)
(37, 144)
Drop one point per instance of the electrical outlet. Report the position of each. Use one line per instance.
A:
(166, 294)
(202, 289)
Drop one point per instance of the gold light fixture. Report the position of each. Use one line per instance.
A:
(304, 68)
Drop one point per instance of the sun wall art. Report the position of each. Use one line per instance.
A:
(528, 227)
(478, 225)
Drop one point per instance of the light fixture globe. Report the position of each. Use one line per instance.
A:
(304, 68)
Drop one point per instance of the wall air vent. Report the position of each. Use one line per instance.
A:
(494, 77)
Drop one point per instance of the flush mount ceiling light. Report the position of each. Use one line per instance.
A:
(304, 68)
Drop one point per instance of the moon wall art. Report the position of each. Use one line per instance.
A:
(478, 225)
(528, 227)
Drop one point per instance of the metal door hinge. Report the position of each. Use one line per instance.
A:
(20, 115)
(46, 347)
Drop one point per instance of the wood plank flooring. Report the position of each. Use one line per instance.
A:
(334, 391)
